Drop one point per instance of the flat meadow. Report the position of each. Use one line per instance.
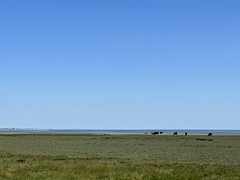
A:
(86, 156)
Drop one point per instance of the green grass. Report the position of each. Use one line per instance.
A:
(119, 157)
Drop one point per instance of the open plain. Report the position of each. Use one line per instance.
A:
(62, 156)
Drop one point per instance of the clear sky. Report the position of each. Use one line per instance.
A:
(120, 64)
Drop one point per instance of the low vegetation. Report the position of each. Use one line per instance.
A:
(119, 157)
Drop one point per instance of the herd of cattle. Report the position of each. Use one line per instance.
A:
(174, 133)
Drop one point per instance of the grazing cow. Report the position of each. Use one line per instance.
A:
(161, 132)
(155, 133)
(185, 133)
(209, 134)
(175, 133)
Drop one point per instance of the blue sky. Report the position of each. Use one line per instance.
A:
(128, 64)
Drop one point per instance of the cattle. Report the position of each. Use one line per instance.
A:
(175, 133)
(209, 134)
(155, 133)
(185, 133)
(160, 132)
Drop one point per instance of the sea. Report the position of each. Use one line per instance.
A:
(118, 132)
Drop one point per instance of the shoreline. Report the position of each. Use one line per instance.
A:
(159, 132)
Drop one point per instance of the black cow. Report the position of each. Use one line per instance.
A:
(209, 134)
(175, 133)
(185, 133)
(155, 133)
(161, 132)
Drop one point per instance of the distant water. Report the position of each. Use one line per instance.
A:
(80, 131)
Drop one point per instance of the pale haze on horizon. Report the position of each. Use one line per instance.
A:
(120, 64)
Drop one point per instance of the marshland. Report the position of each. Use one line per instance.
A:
(89, 156)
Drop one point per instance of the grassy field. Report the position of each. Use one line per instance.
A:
(119, 157)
